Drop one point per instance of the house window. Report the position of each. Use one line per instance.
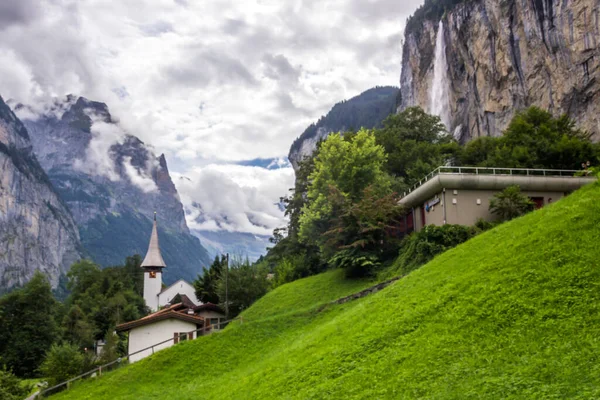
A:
(215, 322)
(183, 336)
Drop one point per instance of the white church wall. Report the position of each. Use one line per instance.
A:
(152, 287)
(180, 287)
(147, 335)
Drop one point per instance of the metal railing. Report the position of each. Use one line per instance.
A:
(492, 171)
(97, 372)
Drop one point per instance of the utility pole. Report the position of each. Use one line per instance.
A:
(227, 287)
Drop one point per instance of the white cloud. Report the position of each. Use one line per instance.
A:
(205, 82)
(234, 198)
(139, 177)
(98, 160)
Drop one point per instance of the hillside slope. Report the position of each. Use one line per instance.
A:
(512, 313)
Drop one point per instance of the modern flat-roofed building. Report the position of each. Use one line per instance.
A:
(461, 195)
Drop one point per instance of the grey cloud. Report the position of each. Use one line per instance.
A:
(234, 26)
(209, 67)
(279, 67)
(377, 10)
(156, 28)
(18, 12)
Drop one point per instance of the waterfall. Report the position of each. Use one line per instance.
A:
(439, 103)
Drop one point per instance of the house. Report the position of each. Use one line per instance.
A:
(161, 329)
(171, 322)
(461, 195)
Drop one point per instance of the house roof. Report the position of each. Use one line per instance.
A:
(186, 302)
(176, 311)
(153, 257)
(209, 307)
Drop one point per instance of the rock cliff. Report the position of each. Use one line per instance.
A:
(37, 231)
(503, 56)
(112, 183)
(367, 110)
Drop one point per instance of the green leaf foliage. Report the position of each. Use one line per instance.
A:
(11, 387)
(510, 203)
(421, 247)
(343, 170)
(206, 285)
(534, 139)
(28, 326)
(62, 363)
(242, 285)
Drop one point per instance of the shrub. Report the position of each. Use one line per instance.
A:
(62, 362)
(510, 203)
(11, 387)
(420, 247)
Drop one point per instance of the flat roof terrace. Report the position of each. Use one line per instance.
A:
(476, 178)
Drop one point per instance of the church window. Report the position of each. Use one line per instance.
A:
(152, 274)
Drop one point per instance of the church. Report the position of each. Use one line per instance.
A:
(178, 320)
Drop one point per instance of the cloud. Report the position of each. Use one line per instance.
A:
(98, 156)
(262, 70)
(18, 12)
(234, 198)
(139, 177)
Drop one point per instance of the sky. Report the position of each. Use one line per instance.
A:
(221, 87)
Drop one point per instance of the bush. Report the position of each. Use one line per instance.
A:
(510, 203)
(62, 362)
(11, 387)
(420, 247)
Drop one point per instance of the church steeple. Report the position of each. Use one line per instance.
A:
(153, 257)
(153, 264)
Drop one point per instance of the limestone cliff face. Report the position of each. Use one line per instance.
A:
(37, 231)
(505, 55)
(112, 183)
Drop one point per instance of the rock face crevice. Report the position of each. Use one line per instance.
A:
(37, 231)
(504, 56)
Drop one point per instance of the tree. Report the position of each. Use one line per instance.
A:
(534, 139)
(246, 283)
(343, 170)
(510, 203)
(415, 143)
(362, 233)
(11, 387)
(27, 325)
(206, 285)
(62, 363)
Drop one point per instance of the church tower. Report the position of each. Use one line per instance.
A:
(153, 264)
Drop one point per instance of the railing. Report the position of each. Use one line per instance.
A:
(97, 372)
(492, 171)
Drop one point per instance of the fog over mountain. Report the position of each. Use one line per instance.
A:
(215, 86)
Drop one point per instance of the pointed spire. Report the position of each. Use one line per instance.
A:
(153, 257)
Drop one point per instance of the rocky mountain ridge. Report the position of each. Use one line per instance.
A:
(367, 110)
(112, 183)
(503, 56)
(37, 231)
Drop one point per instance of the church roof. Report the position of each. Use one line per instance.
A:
(153, 257)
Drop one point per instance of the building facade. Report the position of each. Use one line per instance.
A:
(462, 195)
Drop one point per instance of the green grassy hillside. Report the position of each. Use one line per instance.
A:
(513, 313)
